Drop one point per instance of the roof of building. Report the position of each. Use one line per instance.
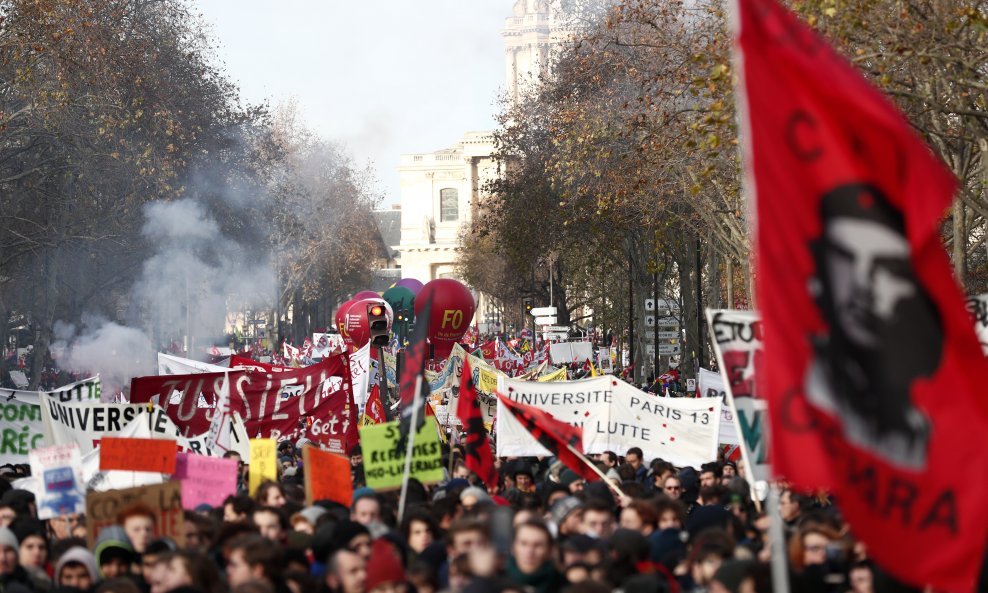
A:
(389, 225)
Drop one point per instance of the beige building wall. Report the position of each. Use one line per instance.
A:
(429, 235)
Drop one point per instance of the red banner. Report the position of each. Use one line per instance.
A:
(272, 405)
(873, 375)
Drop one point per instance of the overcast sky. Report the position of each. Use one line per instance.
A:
(385, 77)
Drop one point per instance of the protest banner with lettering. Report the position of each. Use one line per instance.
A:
(448, 381)
(205, 480)
(327, 477)
(683, 431)
(165, 500)
(363, 374)
(271, 405)
(566, 401)
(138, 454)
(711, 384)
(977, 306)
(384, 464)
(737, 339)
(176, 365)
(614, 416)
(85, 424)
(263, 462)
(58, 485)
(21, 429)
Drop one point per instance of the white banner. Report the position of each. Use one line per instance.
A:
(563, 353)
(85, 424)
(615, 416)
(712, 385)
(176, 365)
(363, 375)
(680, 430)
(977, 306)
(324, 345)
(21, 428)
(737, 338)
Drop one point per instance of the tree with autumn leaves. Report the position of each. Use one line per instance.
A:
(623, 162)
(106, 107)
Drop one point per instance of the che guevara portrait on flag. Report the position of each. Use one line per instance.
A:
(883, 331)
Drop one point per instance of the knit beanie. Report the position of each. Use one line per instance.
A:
(563, 507)
(83, 557)
(8, 539)
(384, 566)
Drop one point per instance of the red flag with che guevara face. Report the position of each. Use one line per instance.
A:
(553, 435)
(479, 457)
(872, 372)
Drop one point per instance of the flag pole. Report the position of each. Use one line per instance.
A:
(777, 542)
(417, 402)
(617, 490)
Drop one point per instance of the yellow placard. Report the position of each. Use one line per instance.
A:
(559, 375)
(384, 464)
(263, 462)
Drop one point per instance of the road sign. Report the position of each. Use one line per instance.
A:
(668, 349)
(545, 320)
(667, 322)
(664, 337)
(663, 305)
(555, 335)
(543, 311)
(555, 328)
(650, 321)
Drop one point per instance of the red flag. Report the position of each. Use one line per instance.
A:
(873, 375)
(479, 457)
(558, 437)
(374, 410)
(413, 389)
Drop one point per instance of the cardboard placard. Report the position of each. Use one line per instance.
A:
(263, 462)
(165, 500)
(137, 454)
(327, 477)
(205, 480)
(384, 465)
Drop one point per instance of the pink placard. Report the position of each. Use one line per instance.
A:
(207, 480)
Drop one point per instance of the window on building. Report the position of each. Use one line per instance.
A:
(449, 205)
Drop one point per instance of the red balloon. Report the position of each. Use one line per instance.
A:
(352, 322)
(341, 322)
(450, 314)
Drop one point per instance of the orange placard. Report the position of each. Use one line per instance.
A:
(327, 476)
(141, 455)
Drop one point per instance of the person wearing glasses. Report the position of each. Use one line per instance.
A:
(673, 487)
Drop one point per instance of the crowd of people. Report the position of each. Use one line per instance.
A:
(543, 529)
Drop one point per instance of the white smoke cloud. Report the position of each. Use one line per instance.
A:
(196, 275)
(114, 351)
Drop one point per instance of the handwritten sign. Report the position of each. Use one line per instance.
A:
(205, 480)
(327, 477)
(137, 454)
(384, 465)
(263, 462)
(165, 500)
